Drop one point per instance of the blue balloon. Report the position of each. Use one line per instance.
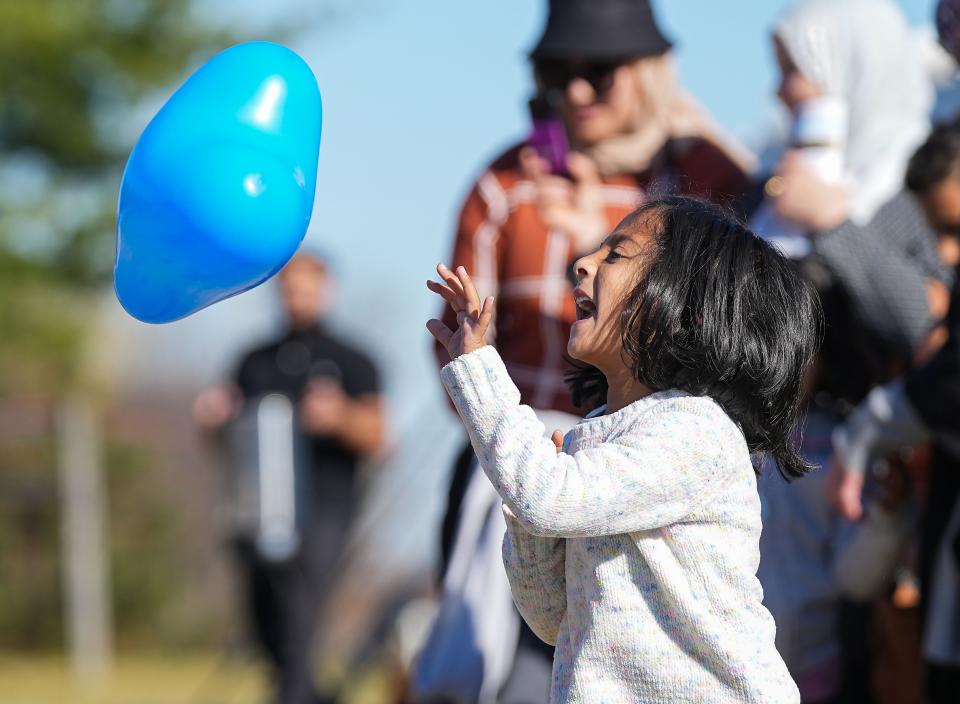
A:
(218, 191)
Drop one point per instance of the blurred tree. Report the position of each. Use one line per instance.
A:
(78, 80)
(75, 78)
(71, 74)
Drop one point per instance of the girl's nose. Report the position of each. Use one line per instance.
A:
(583, 267)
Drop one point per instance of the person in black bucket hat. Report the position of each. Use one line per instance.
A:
(605, 68)
(600, 29)
(608, 98)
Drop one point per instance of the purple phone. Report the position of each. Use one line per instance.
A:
(549, 136)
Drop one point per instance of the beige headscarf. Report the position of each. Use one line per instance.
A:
(664, 111)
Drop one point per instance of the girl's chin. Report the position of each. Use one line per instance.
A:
(578, 351)
(575, 357)
(582, 343)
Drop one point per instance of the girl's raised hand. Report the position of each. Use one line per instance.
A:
(473, 318)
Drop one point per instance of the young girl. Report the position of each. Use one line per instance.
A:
(635, 549)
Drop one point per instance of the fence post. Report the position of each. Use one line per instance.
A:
(83, 531)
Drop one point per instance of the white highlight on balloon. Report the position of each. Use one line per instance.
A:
(266, 108)
(253, 184)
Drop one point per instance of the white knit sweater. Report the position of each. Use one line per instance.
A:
(634, 551)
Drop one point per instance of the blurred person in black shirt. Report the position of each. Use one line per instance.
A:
(333, 399)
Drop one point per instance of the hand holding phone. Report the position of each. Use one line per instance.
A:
(572, 203)
(548, 136)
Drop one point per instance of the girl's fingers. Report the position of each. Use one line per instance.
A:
(470, 291)
(557, 438)
(452, 281)
(440, 332)
(447, 294)
(486, 314)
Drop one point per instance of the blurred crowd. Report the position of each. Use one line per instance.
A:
(859, 561)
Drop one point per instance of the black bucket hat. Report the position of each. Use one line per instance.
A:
(600, 30)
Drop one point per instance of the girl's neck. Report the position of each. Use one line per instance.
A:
(622, 390)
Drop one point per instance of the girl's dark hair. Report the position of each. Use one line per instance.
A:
(718, 312)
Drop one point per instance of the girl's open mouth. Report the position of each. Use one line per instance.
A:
(585, 307)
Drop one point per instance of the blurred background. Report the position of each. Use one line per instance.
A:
(114, 582)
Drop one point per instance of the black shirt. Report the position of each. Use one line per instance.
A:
(287, 366)
(934, 391)
(934, 388)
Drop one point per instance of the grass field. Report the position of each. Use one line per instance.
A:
(194, 679)
(188, 680)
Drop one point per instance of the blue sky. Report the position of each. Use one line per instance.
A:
(418, 96)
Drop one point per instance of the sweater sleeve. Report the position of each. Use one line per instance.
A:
(653, 474)
(536, 568)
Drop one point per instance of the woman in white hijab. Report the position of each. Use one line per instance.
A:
(854, 79)
(861, 55)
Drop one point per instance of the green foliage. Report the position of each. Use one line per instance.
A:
(43, 329)
(71, 74)
(74, 75)
(67, 61)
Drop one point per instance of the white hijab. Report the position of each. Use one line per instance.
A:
(863, 52)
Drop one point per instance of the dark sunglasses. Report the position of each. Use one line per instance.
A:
(556, 75)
